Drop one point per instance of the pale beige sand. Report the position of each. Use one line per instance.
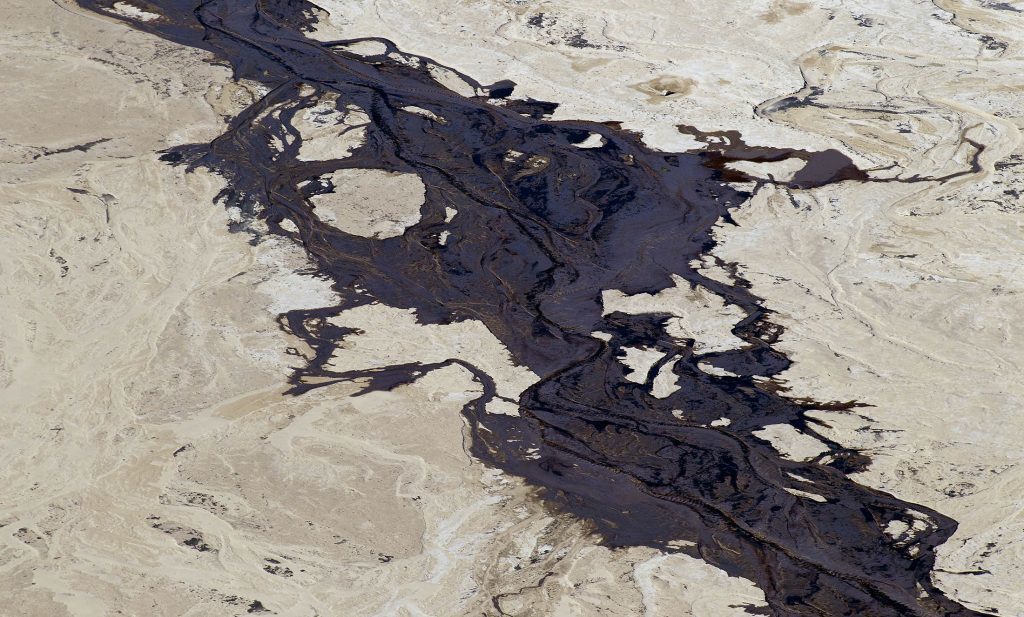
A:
(697, 314)
(791, 443)
(328, 133)
(640, 361)
(371, 203)
(141, 367)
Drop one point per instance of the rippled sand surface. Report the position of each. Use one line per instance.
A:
(152, 464)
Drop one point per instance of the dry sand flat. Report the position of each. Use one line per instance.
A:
(151, 465)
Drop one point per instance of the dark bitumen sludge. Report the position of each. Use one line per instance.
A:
(543, 227)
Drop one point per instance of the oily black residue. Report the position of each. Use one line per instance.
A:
(543, 227)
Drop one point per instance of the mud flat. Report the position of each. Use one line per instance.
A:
(198, 423)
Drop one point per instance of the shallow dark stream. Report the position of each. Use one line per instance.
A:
(537, 238)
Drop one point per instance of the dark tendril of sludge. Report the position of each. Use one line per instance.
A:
(543, 227)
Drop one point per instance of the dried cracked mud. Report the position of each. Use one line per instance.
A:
(386, 307)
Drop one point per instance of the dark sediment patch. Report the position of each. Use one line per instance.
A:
(820, 168)
(543, 227)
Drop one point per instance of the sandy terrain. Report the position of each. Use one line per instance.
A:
(151, 464)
